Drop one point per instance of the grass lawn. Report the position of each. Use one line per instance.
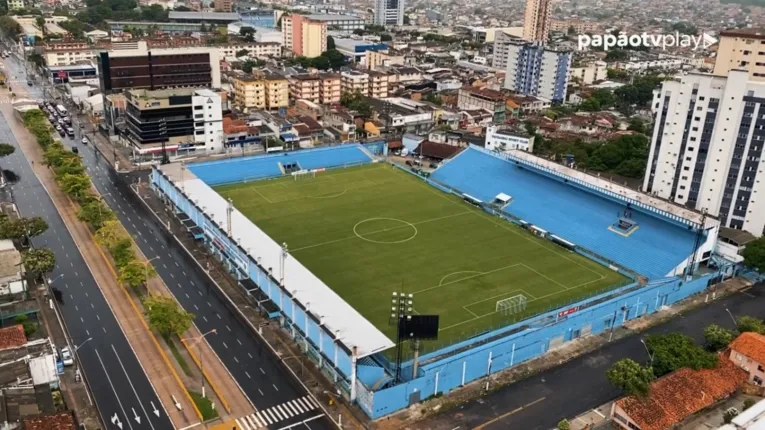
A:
(204, 405)
(368, 231)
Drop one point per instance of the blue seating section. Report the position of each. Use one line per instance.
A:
(579, 216)
(267, 166)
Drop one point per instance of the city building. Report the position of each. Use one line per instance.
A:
(254, 49)
(383, 57)
(505, 140)
(536, 21)
(15, 5)
(174, 121)
(144, 68)
(305, 87)
(353, 81)
(265, 18)
(330, 90)
(487, 35)
(747, 351)
(378, 84)
(117, 28)
(339, 22)
(304, 36)
(261, 92)
(749, 419)
(531, 69)
(356, 49)
(217, 18)
(262, 34)
(224, 5)
(741, 49)
(389, 12)
(589, 74)
(707, 145)
(67, 53)
(578, 26)
(675, 397)
(470, 98)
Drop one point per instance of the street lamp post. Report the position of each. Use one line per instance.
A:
(76, 348)
(647, 350)
(197, 340)
(735, 324)
(146, 266)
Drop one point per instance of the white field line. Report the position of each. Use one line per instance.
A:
(379, 231)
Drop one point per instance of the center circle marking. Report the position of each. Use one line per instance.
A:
(360, 236)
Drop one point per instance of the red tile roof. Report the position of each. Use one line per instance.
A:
(59, 421)
(750, 344)
(12, 337)
(682, 393)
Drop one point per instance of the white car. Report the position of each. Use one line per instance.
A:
(66, 356)
(84, 141)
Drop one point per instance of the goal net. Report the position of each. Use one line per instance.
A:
(511, 305)
(304, 174)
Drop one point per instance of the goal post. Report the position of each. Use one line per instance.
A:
(511, 305)
(304, 174)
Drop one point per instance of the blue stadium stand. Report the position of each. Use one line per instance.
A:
(269, 166)
(652, 248)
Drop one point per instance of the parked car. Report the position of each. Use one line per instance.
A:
(75, 150)
(60, 130)
(409, 163)
(84, 141)
(30, 83)
(70, 132)
(68, 121)
(433, 165)
(66, 356)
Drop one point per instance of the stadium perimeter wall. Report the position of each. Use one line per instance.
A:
(534, 338)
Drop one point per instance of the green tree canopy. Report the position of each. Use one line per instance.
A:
(674, 351)
(630, 377)
(110, 234)
(754, 254)
(74, 185)
(95, 213)
(166, 316)
(747, 323)
(38, 261)
(6, 149)
(717, 338)
(135, 274)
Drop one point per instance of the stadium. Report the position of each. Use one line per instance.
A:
(515, 255)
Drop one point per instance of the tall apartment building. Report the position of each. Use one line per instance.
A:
(303, 35)
(707, 147)
(469, 98)
(330, 90)
(389, 12)
(269, 92)
(305, 87)
(536, 22)
(15, 5)
(143, 68)
(531, 69)
(378, 84)
(353, 81)
(182, 121)
(742, 49)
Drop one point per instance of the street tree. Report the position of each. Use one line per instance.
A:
(717, 338)
(95, 213)
(754, 254)
(135, 274)
(122, 251)
(18, 229)
(38, 262)
(110, 234)
(6, 149)
(74, 185)
(166, 316)
(630, 377)
(747, 323)
(673, 351)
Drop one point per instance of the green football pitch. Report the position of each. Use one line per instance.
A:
(371, 230)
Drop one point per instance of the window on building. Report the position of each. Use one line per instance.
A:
(757, 380)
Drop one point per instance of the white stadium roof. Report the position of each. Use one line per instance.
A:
(339, 318)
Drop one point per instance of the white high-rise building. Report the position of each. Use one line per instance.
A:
(707, 147)
(389, 12)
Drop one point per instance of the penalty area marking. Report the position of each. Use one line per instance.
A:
(360, 236)
(329, 196)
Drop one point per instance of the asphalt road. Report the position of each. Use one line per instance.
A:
(579, 385)
(264, 380)
(120, 386)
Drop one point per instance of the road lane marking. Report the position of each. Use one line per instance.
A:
(108, 378)
(505, 415)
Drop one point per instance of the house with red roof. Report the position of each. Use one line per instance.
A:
(677, 396)
(747, 351)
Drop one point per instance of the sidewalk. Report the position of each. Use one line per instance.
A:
(159, 371)
(304, 370)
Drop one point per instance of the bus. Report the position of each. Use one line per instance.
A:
(61, 110)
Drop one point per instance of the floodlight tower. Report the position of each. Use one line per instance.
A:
(229, 211)
(402, 306)
(282, 261)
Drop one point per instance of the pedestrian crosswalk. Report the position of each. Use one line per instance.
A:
(278, 413)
